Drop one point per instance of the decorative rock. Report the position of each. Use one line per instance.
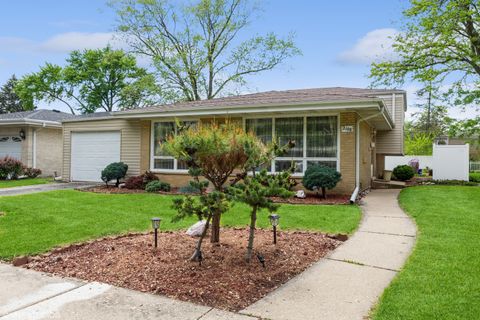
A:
(20, 261)
(300, 194)
(121, 185)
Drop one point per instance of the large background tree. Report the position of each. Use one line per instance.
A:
(197, 46)
(439, 44)
(9, 100)
(104, 79)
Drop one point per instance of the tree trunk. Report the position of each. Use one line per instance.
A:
(324, 193)
(253, 221)
(215, 234)
(198, 247)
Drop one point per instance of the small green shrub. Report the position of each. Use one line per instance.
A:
(474, 177)
(403, 172)
(188, 189)
(10, 168)
(32, 172)
(454, 183)
(321, 177)
(155, 186)
(114, 171)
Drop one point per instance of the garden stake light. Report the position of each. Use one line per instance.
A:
(274, 219)
(156, 226)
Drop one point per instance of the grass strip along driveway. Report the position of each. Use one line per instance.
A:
(441, 279)
(35, 223)
(23, 182)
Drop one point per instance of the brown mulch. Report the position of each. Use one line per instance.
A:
(310, 199)
(314, 199)
(223, 280)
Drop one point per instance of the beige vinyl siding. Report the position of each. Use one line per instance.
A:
(391, 142)
(130, 141)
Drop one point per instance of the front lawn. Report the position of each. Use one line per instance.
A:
(23, 182)
(35, 223)
(441, 280)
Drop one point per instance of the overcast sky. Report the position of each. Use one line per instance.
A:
(339, 39)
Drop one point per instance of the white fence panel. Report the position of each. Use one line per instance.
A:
(451, 162)
(448, 162)
(392, 161)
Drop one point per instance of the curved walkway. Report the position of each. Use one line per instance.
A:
(348, 283)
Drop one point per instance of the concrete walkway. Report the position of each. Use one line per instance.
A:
(31, 295)
(43, 187)
(348, 283)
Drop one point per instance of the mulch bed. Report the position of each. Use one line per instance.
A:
(223, 280)
(310, 199)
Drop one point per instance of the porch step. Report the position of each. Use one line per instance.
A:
(382, 184)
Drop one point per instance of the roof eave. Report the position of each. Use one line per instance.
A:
(31, 122)
(302, 106)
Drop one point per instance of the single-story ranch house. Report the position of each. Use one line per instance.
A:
(35, 138)
(349, 129)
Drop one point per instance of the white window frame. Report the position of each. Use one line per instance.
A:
(304, 158)
(152, 148)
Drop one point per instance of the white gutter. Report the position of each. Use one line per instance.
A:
(354, 196)
(43, 123)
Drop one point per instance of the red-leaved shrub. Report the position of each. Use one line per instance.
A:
(10, 168)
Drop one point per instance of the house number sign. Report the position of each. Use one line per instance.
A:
(347, 129)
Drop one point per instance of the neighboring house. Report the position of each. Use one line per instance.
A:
(35, 138)
(346, 128)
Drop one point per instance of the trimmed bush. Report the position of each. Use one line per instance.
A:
(114, 171)
(403, 172)
(474, 177)
(32, 172)
(135, 182)
(155, 186)
(321, 177)
(10, 168)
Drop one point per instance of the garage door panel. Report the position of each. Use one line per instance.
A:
(10, 146)
(92, 152)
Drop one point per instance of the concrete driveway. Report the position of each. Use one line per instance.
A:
(31, 295)
(44, 187)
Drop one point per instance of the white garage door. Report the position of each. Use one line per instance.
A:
(92, 152)
(11, 146)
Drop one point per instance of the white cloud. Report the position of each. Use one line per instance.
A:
(66, 42)
(376, 45)
(62, 43)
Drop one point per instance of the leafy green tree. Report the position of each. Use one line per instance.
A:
(439, 44)
(9, 100)
(196, 47)
(92, 79)
(419, 143)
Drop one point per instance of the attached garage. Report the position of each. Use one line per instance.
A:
(11, 146)
(91, 152)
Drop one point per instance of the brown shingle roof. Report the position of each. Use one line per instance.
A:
(335, 94)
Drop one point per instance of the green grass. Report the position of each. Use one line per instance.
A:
(23, 182)
(441, 279)
(35, 223)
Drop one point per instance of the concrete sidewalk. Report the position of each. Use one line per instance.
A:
(31, 295)
(43, 187)
(348, 283)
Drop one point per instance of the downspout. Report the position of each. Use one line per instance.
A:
(354, 196)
